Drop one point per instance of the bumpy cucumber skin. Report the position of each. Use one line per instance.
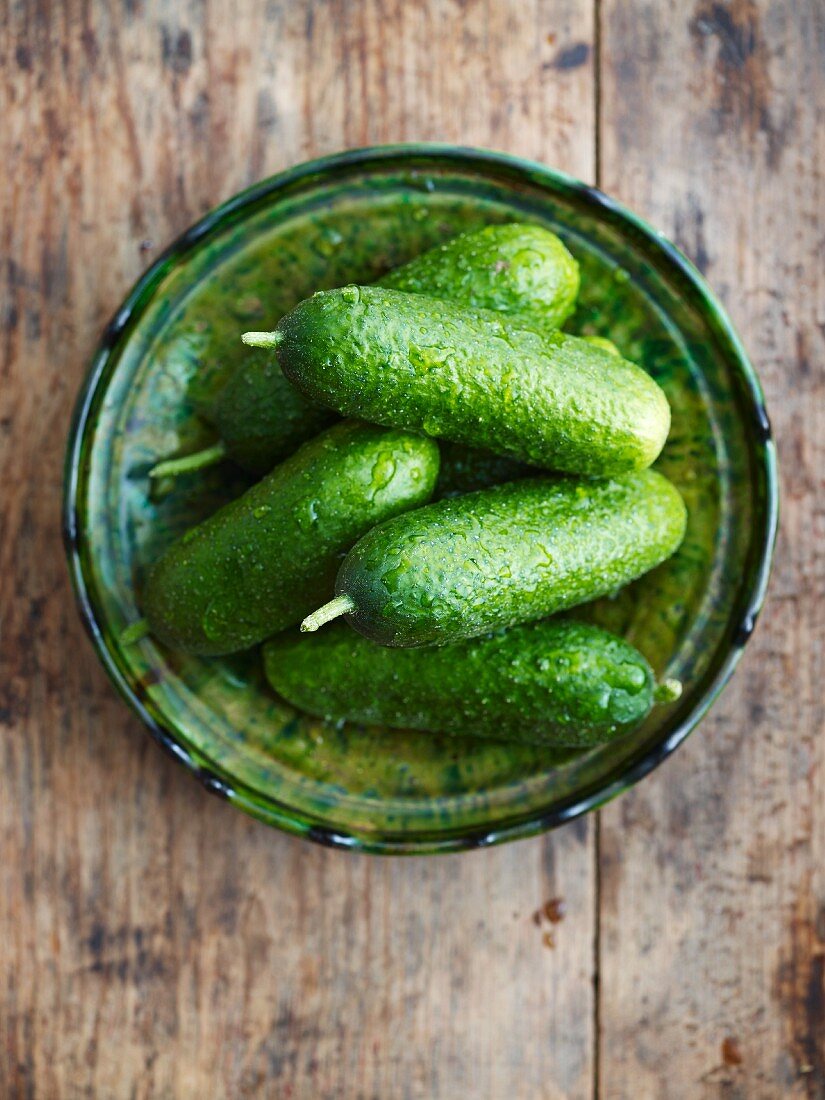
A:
(515, 268)
(465, 566)
(262, 418)
(474, 377)
(465, 469)
(556, 684)
(266, 559)
(603, 343)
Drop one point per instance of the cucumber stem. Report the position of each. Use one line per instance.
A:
(341, 605)
(188, 464)
(263, 339)
(668, 691)
(134, 632)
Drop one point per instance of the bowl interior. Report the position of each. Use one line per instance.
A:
(165, 356)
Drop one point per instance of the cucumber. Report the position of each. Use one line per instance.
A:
(263, 561)
(465, 469)
(603, 343)
(471, 376)
(471, 564)
(556, 684)
(261, 419)
(516, 269)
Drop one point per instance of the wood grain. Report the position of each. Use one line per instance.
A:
(712, 960)
(153, 941)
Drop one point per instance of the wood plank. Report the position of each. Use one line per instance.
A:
(153, 941)
(712, 871)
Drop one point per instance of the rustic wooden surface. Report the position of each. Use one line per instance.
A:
(712, 901)
(156, 943)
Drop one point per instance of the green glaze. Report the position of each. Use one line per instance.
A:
(513, 268)
(462, 567)
(350, 219)
(559, 684)
(471, 376)
(259, 564)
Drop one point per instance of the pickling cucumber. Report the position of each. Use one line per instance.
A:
(262, 562)
(262, 419)
(472, 376)
(516, 268)
(603, 343)
(513, 268)
(465, 469)
(471, 564)
(557, 683)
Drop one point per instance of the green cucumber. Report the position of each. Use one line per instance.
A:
(263, 561)
(471, 376)
(262, 419)
(603, 343)
(465, 469)
(516, 268)
(556, 684)
(465, 566)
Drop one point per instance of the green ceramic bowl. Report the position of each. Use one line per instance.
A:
(344, 219)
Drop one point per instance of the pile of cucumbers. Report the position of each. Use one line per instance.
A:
(489, 471)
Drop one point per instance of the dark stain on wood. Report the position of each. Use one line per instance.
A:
(756, 712)
(123, 953)
(91, 49)
(731, 1051)
(55, 275)
(799, 987)
(735, 27)
(555, 910)
(176, 49)
(689, 232)
(571, 57)
(199, 116)
(742, 91)
(580, 829)
(96, 939)
(819, 924)
(803, 360)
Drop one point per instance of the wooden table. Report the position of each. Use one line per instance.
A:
(154, 942)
